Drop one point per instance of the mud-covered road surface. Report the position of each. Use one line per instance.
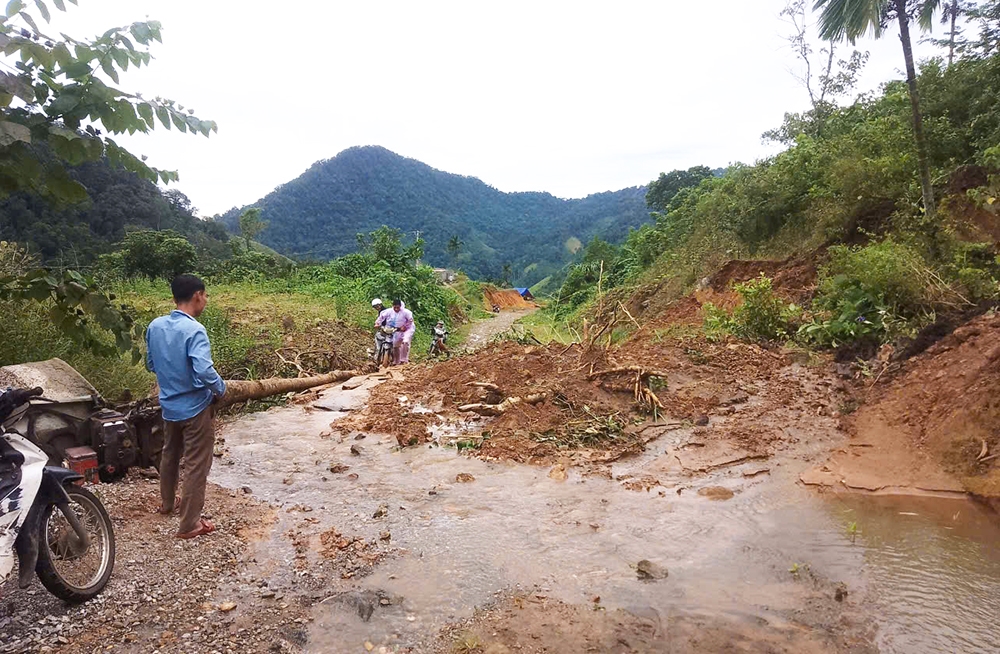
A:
(335, 541)
(484, 331)
(451, 553)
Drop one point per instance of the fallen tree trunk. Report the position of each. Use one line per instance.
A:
(499, 409)
(239, 390)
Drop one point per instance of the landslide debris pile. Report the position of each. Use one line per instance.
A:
(303, 350)
(505, 299)
(946, 402)
(534, 403)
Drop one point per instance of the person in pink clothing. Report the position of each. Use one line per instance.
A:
(402, 320)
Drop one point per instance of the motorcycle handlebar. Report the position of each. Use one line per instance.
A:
(15, 397)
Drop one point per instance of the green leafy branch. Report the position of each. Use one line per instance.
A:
(63, 92)
(77, 305)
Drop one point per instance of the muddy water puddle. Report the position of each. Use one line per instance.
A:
(934, 571)
(774, 553)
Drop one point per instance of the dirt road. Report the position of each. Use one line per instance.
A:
(485, 330)
(347, 543)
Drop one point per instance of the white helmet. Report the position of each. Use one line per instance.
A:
(376, 302)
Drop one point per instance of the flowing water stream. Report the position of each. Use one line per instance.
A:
(925, 571)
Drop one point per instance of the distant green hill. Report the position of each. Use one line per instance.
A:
(117, 201)
(319, 214)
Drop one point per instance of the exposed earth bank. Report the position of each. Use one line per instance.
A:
(933, 426)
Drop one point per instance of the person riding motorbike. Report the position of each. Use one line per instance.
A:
(380, 307)
(439, 335)
(402, 319)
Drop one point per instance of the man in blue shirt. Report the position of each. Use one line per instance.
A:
(177, 351)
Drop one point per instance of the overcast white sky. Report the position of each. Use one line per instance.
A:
(567, 97)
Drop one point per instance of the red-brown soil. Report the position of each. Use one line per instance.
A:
(794, 279)
(699, 379)
(929, 423)
(936, 424)
(506, 299)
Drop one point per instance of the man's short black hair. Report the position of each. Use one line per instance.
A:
(397, 303)
(185, 286)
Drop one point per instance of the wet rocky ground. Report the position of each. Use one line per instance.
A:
(166, 595)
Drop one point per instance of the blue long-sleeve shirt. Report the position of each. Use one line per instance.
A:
(177, 351)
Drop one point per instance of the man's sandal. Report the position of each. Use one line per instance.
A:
(177, 507)
(204, 527)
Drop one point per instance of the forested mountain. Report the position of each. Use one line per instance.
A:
(117, 200)
(319, 214)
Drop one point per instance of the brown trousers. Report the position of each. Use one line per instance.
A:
(194, 439)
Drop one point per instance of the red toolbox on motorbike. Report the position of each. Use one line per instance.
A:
(83, 460)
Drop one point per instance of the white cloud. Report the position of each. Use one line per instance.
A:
(566, 97)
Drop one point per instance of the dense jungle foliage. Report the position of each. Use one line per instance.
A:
(117, 201)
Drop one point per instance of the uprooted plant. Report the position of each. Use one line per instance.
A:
(585, 428)
(636, 380)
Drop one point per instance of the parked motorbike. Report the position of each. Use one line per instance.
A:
(383, 346)
(57, 529)
(438, 337)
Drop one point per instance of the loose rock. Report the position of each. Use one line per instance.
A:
(716, 493)
(558, 472)
(649, 571)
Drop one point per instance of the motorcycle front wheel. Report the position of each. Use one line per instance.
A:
(69, 570)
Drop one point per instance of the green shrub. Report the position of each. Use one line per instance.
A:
(975, 268)
(762, 316)
(29, 335)
(858, 317)
(153, 254)
(891, 273)
(875, 292)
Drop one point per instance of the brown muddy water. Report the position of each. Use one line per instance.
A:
(925, 571)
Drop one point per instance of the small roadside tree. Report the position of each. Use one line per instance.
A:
(164, 254)
(251, 226)
(662, 190)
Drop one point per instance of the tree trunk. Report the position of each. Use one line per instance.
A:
(241, 391)
(918, 123)
(951, 39)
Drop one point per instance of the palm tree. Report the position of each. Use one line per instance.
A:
(454, 246)
(851, 19)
